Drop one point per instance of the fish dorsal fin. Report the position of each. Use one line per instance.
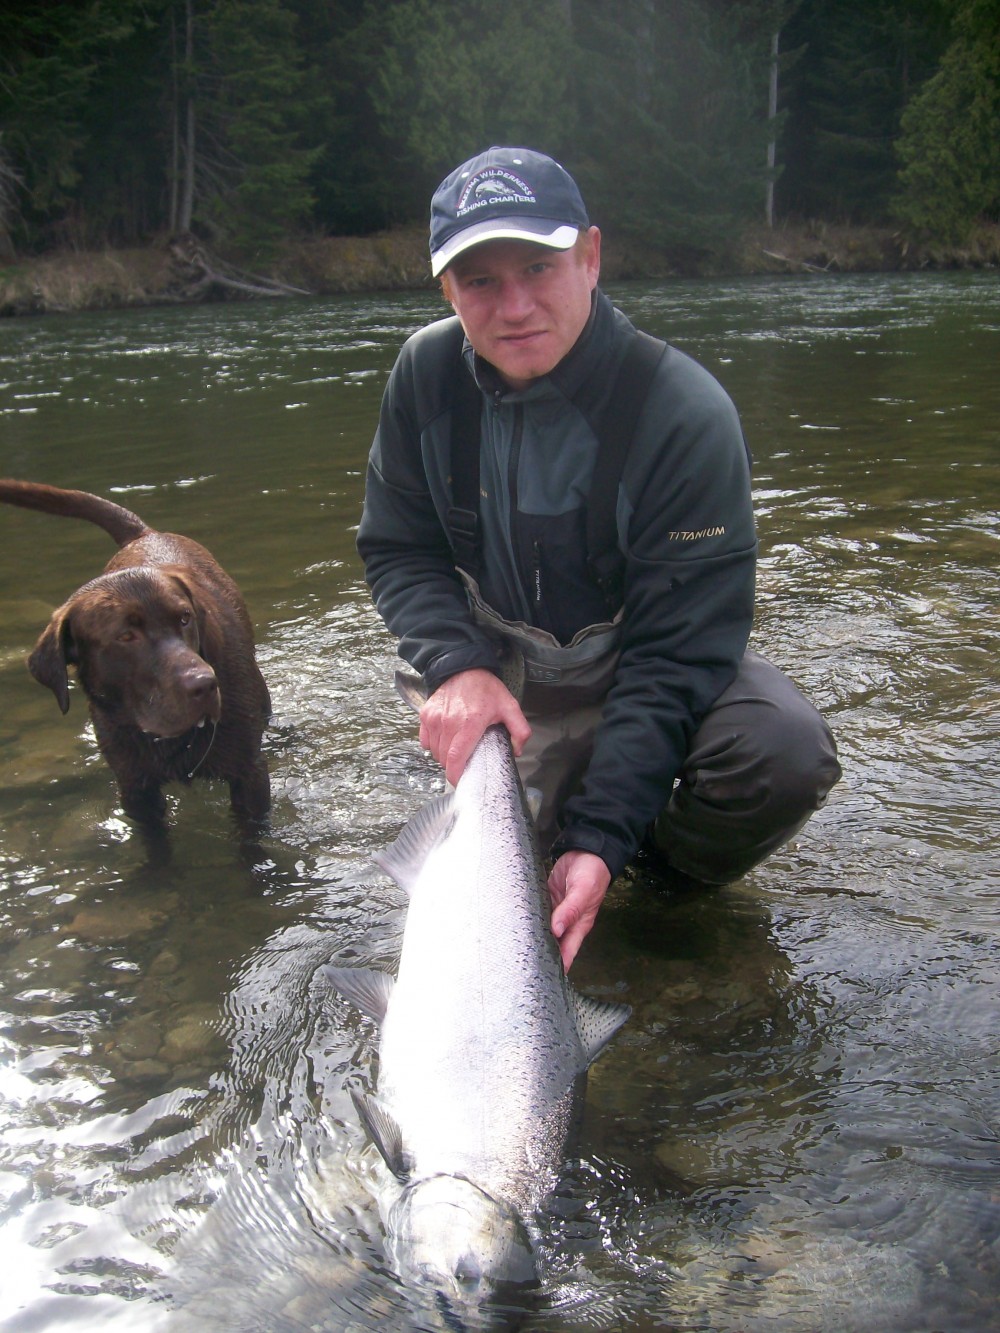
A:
(404, 858)
(383, 1132)
(365, 987)
(597, 1021)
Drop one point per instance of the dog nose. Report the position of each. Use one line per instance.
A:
(200, 684)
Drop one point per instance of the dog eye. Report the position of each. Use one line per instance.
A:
(185, 618)
(127, 636)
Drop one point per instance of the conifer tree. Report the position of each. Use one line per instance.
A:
(862, 63)
(253, 161)
(455, 76)
(675, 117)
(950, 145)
(50, 56)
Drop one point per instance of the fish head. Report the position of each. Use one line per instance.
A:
(449, 1234)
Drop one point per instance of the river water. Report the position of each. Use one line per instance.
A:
(797, 1129)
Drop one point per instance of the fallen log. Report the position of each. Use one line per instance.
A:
(798, 263)
(198, 274)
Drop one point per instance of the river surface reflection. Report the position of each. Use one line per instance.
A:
(798, 1128)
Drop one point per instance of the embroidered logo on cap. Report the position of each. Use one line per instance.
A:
(493, 185)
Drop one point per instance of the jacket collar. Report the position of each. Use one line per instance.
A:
(587, 358)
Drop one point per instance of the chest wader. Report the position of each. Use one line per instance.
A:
(564, 692)
(565, 684)
(762, 759)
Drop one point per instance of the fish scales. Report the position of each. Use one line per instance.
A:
(471, 1004)
(482, 1043)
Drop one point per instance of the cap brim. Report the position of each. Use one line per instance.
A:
(557, 236)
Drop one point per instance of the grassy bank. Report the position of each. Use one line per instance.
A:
(165, 273)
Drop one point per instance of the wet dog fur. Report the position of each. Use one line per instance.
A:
(163, 648)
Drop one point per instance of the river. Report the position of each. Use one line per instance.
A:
(798, 1128)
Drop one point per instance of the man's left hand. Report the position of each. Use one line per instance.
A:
(577, 886)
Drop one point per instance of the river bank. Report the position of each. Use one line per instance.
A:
(181, 271)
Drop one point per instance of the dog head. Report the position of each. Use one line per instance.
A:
(136, 638)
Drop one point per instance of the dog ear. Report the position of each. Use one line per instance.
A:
(206, 639)
(51, 653)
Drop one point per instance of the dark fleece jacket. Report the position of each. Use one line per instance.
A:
(685, 532)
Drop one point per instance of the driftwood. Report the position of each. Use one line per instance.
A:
(799, 263)
(198, 276)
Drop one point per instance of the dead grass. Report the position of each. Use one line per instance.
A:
(836, 248)
(76, 280)
(397, 260)
(387, 261)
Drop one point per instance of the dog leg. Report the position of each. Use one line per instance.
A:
(250, 797)
(145, 804)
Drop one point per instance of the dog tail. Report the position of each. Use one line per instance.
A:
(119, 523)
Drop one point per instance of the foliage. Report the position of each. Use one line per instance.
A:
(50, 58)
(354, 192)
(674, 107)
(254, 113)
(860, 66)
(457, 75)
(248, 120)
(950, 146)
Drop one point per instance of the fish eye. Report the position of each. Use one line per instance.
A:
(468, 1272)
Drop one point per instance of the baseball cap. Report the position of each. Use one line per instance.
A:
(505, 194)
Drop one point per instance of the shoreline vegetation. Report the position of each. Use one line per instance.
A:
(180, 270)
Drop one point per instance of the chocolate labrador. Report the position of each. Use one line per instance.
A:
(164, 651)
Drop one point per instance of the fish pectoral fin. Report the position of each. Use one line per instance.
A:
(411, 689)
(404, 858)
(510, 667)
(365, 987)
(383, 1132)
(533, 798)
(597, 1021)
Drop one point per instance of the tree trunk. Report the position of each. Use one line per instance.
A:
(10, 184)
(772, 111)
(175, 134)
(186, 210)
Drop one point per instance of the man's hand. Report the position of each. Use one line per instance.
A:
(577, 886)
(459, 711)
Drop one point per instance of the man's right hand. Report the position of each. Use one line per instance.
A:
(459, 711)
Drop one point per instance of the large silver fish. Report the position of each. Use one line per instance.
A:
(483, 1041)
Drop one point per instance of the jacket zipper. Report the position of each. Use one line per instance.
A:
(530, 579)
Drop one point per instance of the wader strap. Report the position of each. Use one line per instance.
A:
(617, 427)
(463, 516)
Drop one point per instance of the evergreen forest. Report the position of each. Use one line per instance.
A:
(247, 122)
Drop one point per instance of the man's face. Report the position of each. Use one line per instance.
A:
(522, 305)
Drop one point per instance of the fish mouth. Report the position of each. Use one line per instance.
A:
(453, 1237)
(501, 1312)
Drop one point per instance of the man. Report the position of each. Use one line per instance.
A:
(644, 720)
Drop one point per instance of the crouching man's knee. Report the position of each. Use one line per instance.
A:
(797, 763)
(761, 763)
